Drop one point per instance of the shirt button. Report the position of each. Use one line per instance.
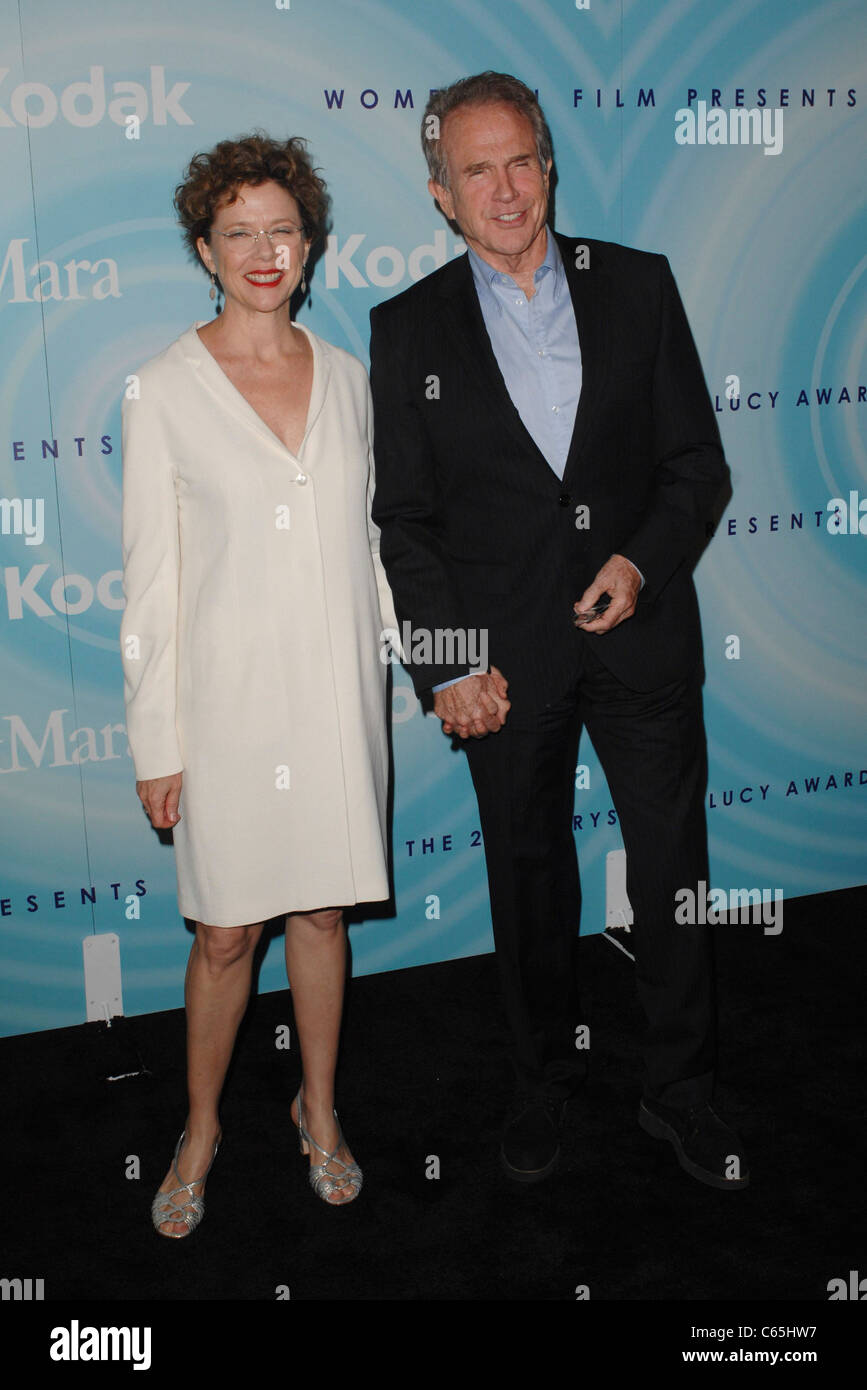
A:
(301, 479)
(556, 409)
(564, 499)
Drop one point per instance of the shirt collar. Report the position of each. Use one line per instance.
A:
(486, 276)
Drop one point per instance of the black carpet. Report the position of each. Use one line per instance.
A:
(421, 1076)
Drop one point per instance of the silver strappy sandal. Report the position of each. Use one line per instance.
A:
(323, 1182)
(163, 1209)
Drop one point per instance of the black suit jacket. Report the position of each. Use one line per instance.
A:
(477, 529)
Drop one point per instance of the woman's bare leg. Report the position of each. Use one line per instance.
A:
(316, 966)
(216, 991)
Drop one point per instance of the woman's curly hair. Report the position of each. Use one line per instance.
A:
(214, 178)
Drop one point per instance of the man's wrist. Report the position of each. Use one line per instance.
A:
(637, 570)
(445, 684)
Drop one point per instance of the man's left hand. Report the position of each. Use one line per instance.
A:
(619, 578)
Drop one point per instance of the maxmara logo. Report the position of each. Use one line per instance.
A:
(23, 283)
(84, 104)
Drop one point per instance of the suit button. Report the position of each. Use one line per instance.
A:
(564, 499)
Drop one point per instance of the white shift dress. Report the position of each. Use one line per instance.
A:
(255, 599)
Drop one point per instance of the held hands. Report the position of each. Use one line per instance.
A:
(475, 706)
(160, 796)
(619, 578)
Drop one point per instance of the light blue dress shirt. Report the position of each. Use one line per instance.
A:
(535, 342)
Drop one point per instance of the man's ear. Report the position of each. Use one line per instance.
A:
(443, 197)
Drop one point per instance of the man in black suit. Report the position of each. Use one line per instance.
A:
(545, 446)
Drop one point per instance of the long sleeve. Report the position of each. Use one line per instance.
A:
(691, 470)
(151, 569)
(406, 507)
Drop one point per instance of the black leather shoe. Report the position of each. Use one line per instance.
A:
(706, 1147)
(531, 1138)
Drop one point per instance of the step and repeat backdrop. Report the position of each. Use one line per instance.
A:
(730, 136)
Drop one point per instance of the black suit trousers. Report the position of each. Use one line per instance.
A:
(652, 749)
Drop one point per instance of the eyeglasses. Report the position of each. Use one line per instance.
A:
(243, 241)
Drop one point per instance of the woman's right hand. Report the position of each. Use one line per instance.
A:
(160, 797)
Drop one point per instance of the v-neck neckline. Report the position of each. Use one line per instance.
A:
(589, 301)
(239, 400)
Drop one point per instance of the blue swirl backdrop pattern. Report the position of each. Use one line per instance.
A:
(768, 250)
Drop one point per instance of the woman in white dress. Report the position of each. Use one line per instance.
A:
(254, 684)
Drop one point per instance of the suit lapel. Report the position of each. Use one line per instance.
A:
(589, 290)
(464, 316)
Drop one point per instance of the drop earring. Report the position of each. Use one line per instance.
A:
(304, 278)
(213, 286)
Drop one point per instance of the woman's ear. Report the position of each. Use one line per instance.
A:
(207, 259)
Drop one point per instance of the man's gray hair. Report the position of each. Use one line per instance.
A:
(481, 90)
